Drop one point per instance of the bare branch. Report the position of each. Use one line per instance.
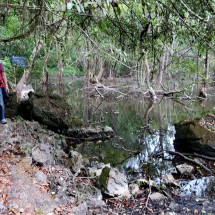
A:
(188, 9)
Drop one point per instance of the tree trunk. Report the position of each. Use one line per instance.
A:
(162, 66)
(146, 124)
(60, 62)
(44, 71)
(89, 65)
(60, 70)
(203, 93)
(101, 70)
(27, 71)
(148, 73)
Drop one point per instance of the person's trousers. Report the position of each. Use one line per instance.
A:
(2, 116)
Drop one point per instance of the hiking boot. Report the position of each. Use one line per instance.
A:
(4, 121)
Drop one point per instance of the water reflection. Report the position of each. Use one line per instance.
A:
(198, 187)
(142, 128)
(159, 141)
(139, 125)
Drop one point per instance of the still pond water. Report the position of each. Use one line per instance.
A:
(142, 129)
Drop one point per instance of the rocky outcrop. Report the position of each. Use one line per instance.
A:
(54, 112)
(89, 133)
(48, 109)
(196, 136)
(42, 163)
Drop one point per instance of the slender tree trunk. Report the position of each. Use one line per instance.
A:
(162, 66)
(203, 90)
(89, 66)
(101, 69)
(27, 71)
(146, 124)
(137, 74)
(86, 111)
(60, 62)
(148, 73)
(60, 69)
(161, 130)
(44, 71)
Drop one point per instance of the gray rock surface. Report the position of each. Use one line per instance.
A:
(113, 183)
(40, 177)
(80, 209)
(197, 136)
(41, 154)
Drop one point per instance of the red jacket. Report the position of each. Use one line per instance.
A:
(1, 78)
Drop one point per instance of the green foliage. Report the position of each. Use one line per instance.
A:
(71, 70)
(8, 67)
(118, 31)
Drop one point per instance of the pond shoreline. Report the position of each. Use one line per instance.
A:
(21, 162)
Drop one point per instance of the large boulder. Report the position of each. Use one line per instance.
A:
(48, 109)
(53, 111)
(196, 136)
(113, 183)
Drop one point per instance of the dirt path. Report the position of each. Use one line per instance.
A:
(20, 192)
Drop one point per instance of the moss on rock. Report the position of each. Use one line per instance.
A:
(103, 179)
(196, 136)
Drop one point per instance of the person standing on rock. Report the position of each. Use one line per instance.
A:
(3, 88)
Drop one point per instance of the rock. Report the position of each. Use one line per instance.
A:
(134, 189)
(170, 213)
(41, 154)
(173, 205)
(50, 110)
(12, 107)
(25, 91)
(41, 177)
(157, 196)
(80, 210)
(96, 169)
(88, 193)
(198, 187)
(142, 182)
(95, 203)
(3, 209)
(169, 179)
(23, 192)
(196, 136)
(54, 112)
(75, 161)
(113, 183)
(91, 133)
(184, 168)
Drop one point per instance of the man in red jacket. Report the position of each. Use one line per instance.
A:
(3, 84)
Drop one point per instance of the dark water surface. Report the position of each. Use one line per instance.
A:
(142, 129)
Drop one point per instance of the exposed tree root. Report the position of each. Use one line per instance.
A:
(186, 158)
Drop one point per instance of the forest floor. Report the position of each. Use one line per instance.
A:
(22, 194)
